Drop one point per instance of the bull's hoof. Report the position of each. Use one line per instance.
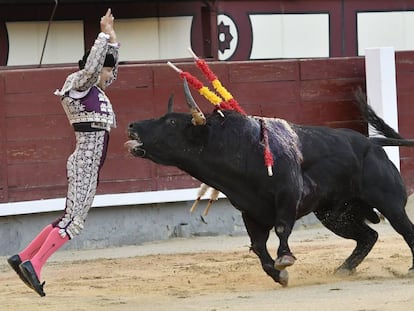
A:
(284, 278)
(342, 271)
(285, 261)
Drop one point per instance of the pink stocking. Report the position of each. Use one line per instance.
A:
(52, 243)
(36, 243)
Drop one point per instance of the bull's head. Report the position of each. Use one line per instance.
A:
(170, 138)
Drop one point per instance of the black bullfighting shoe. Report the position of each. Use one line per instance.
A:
(30, 274)
(14, 262)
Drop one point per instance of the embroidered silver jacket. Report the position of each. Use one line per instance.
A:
(80, 83)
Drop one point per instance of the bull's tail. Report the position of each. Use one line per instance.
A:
(392, 138)
(385, 141)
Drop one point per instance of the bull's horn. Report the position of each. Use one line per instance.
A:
(170, 103)
(198, 116)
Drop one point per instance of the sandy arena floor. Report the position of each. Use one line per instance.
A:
(219, 273)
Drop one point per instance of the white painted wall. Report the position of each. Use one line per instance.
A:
(104, 200)
(376, 29)
(141, 39)
(154, 38)
(289, 35)
(274, 36)
(26, 39)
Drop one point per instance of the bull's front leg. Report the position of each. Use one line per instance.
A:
(285, 220)
(258, 238)
(285, 258)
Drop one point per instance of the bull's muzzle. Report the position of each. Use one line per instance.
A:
(134, 145)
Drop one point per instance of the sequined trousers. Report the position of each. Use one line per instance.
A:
(83, 168)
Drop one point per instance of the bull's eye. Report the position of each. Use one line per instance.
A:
(172, 122)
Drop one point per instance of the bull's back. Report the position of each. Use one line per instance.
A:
(343, 165)
(322, 144)
(334, 158)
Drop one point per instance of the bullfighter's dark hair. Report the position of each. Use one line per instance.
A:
(109, 60)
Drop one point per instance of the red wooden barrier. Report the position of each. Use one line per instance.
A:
(36, 139)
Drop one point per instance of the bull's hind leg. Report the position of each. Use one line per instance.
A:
(384, 189)
(258, 238)
(399, 220)
(350, 225)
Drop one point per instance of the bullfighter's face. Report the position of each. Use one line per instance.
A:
(105, 76)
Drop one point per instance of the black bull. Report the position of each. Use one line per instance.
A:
(338, 174)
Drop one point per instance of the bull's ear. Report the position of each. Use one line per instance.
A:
(170, 103)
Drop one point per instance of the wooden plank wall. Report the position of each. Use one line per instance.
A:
(405, 93)
(36, 138)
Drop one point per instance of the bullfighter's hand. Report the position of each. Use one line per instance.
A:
(107, 25)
